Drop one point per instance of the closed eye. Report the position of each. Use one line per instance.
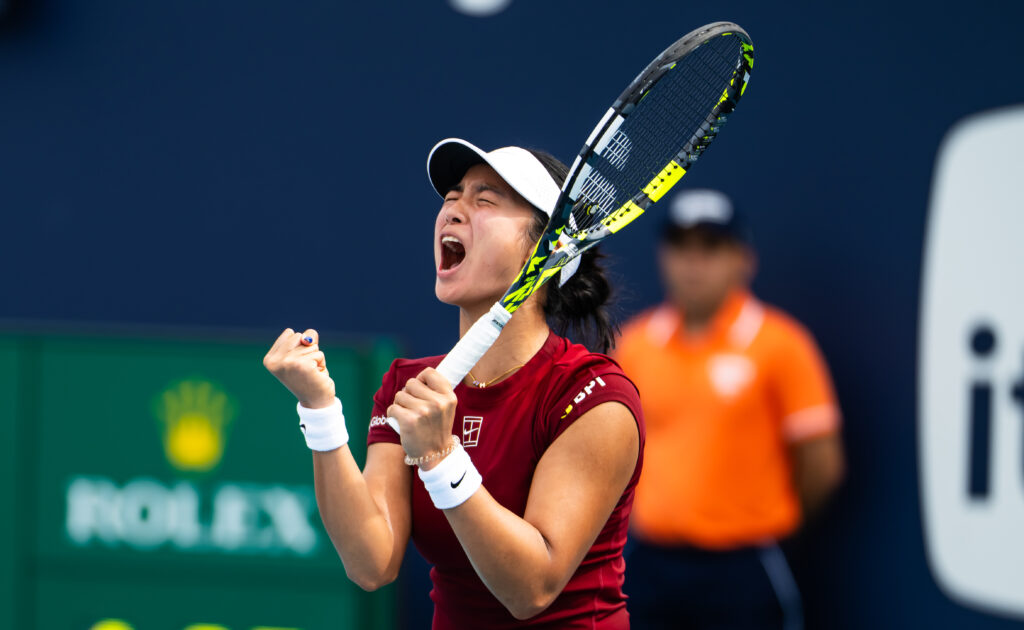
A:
(453, 193)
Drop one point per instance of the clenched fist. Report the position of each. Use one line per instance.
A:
(425, 411)
(301, 368)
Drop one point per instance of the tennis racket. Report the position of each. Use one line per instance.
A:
(646, 141)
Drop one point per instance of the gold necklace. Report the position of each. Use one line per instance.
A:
(481, 385)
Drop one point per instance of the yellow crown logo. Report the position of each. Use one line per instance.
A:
(195, 415)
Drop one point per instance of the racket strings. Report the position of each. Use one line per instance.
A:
(674, 117)
(718, 62)
(600, 194)
(711, 68)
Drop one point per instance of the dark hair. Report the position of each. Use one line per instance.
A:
(580, 305)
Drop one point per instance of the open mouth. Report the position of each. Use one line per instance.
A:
(452, 252)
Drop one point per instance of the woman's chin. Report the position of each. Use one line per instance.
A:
(466, 300)
(446, 295)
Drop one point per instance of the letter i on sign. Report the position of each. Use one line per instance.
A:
(983, 343)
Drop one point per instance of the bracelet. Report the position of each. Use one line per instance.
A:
(452, 481)
(323, 428)
(423, 459)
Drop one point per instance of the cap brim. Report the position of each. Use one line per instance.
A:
(673, 232)
(448, 162)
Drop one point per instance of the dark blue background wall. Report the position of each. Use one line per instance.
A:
(261, 165)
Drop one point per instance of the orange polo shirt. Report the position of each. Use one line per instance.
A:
(722, 410)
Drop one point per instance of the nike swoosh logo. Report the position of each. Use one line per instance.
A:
(455, 484)
(303, 427)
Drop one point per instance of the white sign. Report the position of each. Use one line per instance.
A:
(971, 365)
(145, 514)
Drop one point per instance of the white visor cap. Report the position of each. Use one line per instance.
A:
(451, 158)
(700, 206)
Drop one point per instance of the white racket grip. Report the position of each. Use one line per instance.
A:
(473, 345)
(477, 341)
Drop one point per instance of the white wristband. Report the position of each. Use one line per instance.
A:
(324, 428)
(452, 481)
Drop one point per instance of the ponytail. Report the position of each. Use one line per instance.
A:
(580, 306)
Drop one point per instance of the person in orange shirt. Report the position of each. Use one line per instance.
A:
(743, 433)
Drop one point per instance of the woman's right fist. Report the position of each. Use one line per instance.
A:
(296, 360)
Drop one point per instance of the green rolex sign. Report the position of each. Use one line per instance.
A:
(163, 484)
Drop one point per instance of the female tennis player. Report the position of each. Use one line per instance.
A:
(517, 484)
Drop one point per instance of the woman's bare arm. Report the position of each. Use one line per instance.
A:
(366, 514)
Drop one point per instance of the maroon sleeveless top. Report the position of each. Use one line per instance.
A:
(506, 429)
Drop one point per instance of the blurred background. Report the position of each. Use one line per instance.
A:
(181, 180)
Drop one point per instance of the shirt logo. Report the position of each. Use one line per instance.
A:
(378, 421)
(583, 393)
(471, 430)
(730, 373)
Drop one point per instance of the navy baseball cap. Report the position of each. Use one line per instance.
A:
(703, 208)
